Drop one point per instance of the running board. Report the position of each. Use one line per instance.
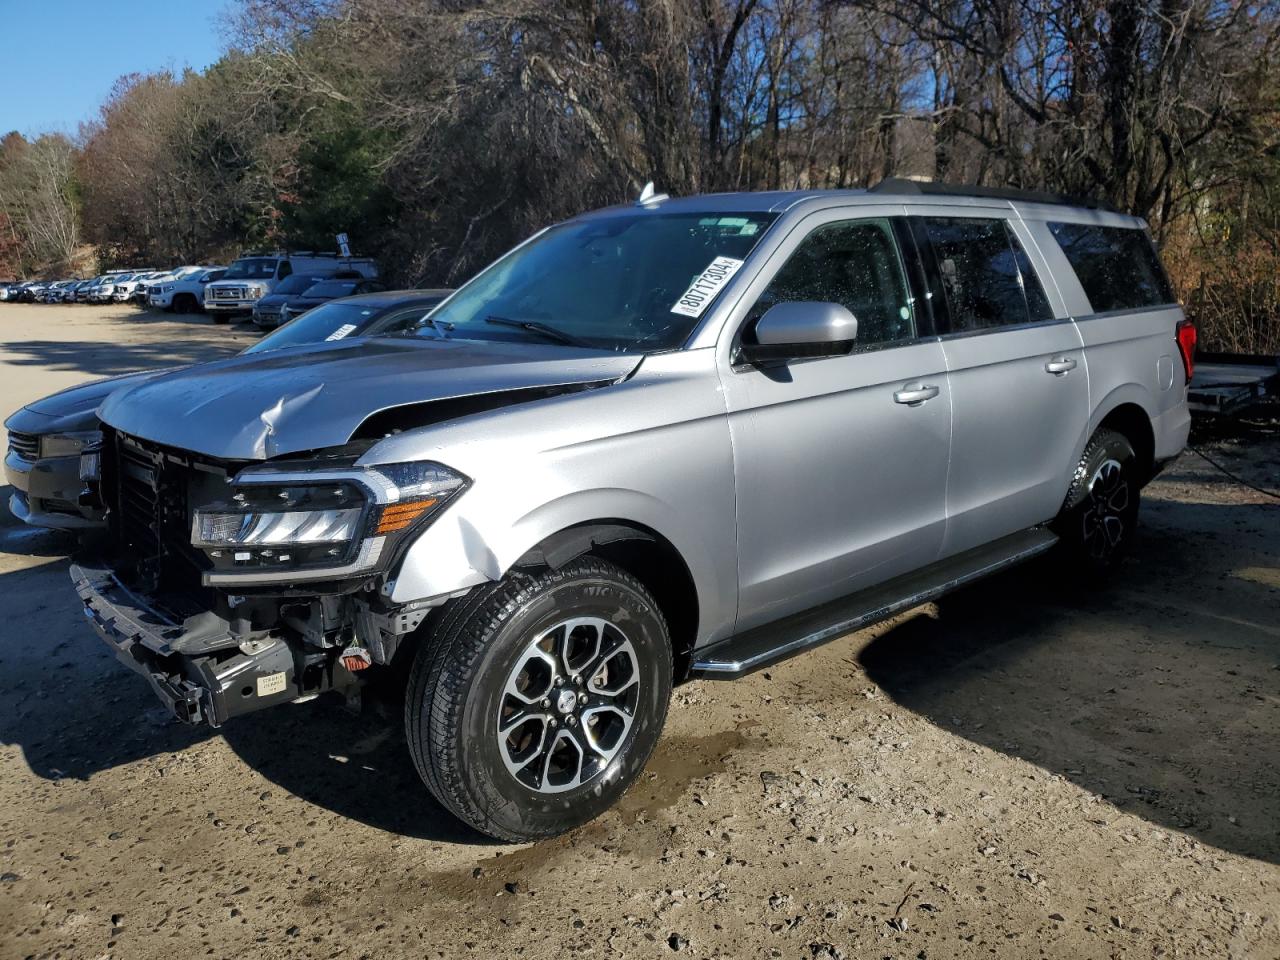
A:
(766, 645)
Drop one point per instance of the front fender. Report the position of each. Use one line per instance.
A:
(472, 546)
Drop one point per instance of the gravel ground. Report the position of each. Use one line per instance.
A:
(1020, 770)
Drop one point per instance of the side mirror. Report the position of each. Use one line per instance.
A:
(801, 329)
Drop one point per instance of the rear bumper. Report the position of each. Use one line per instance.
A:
(1171, 430)
(196, 669)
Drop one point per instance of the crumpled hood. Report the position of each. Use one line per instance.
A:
(258, 406)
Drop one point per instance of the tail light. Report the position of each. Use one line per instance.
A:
(1186, 337)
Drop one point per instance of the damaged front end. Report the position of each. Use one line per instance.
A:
(235, 586)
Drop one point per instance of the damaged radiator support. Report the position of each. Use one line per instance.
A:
(209, 668)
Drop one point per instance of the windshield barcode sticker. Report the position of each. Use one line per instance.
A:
(707, 284)
(341, 332)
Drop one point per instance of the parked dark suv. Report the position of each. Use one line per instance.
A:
(266, 312)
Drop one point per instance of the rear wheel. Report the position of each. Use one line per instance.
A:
(1100, 514)
(536, 701)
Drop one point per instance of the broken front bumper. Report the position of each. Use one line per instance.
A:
(196, 668)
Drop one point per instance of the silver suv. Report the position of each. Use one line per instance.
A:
(685, 438)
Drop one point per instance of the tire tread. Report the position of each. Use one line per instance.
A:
(444, 670)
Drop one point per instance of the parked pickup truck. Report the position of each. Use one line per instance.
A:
(685, 438)
(251, 278)
(183, 293)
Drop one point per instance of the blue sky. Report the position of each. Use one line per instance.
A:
(59, 58)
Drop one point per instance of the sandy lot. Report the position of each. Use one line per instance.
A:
(1022, 770)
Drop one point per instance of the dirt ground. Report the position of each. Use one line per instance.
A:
(1021, 770)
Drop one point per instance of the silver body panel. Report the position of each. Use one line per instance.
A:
(780, 491)
(258, 406)
(653, 450)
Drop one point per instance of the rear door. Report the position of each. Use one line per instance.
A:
(840, 462)
(1127, 315)
(1015, 362)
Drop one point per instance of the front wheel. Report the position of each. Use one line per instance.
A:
(1100, 514)
(536, 701)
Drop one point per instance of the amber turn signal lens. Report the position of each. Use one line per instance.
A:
(399, 515)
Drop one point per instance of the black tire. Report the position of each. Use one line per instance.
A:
(221, 318)
(1100, 514)
(184, 303)
(458, 691)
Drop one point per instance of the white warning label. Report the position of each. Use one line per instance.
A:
(271, 683)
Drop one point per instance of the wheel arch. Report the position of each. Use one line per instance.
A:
(644, 553)
(1131, 420)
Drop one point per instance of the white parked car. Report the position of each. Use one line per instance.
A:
(138, 285)
(125, 285)
(252, 277)
(102, 291)
(54, 291)
(81, 293)
(183, 294)
(157, 283)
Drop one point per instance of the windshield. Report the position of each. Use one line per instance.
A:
(214, 275)
(627, 282)
(329, 321)
(296, 283)
(333, 288)
(254, 268)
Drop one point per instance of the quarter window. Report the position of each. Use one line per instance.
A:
(986, 275)
(1117, 266)
(856, 264)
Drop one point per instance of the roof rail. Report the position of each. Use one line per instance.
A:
(898, 185)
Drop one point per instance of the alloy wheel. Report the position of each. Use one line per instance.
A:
(1105, 509)
(568, 705)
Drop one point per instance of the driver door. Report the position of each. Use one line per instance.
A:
(840, 462)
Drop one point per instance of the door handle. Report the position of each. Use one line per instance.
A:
(915, 394)
(1060, 366)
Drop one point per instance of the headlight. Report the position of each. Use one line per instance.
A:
(285, 525)
(168, 289)
(67, 444)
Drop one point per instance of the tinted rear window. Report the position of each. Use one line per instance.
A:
(1117, 266)
(332, 288)
(296, 283)
(986, 274)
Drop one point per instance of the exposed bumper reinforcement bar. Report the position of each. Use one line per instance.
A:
(211, 686)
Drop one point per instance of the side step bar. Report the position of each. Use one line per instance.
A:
(766, 645)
